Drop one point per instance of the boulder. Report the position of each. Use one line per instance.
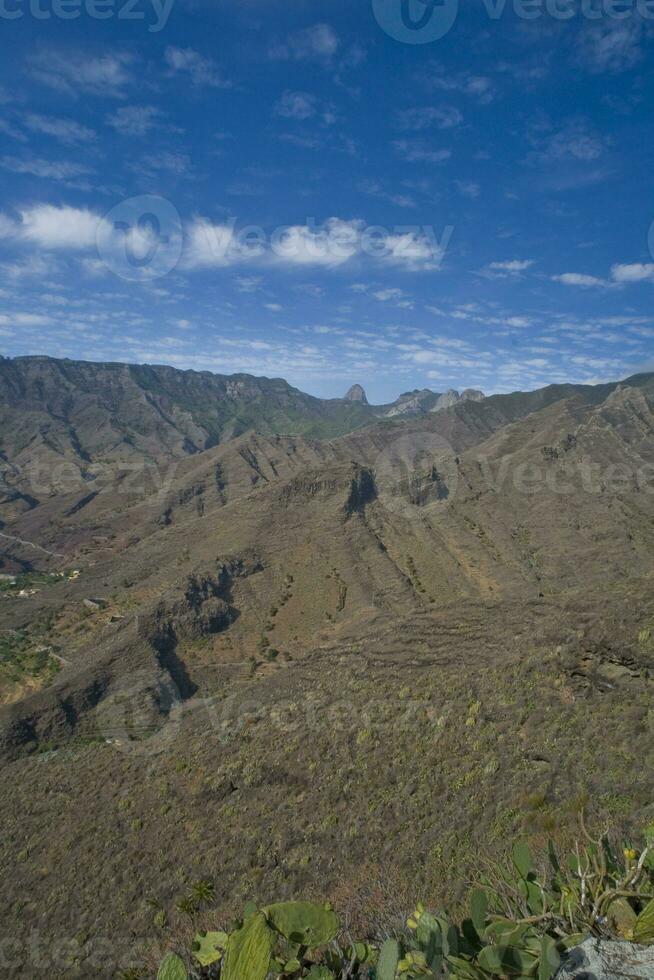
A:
(596, 959)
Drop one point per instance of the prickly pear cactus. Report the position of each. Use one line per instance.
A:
(209, 947)
(249, 951)
(389, 957)
(172, 968)
(304, 923)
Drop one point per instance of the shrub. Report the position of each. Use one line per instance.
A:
(521, 923)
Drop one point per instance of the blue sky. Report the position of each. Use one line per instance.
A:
(287, 188)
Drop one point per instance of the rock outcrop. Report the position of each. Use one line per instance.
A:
(595, 959)
(423, 401)
(357, 394)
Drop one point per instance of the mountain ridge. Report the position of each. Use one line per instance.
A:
(440, 622)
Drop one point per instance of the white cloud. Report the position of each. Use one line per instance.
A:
(248, 284)
(94, 267)
(475, 86)
(52, 169)
(319, 42)
(330, 246)
(201, 70)
(375, 189)
(442, 117)
(66, 130)
(152, 164)
(296, 105)
(77, 73)
(12, 131)
(24, 320)
(414, 250)
(638, 272)
(621, 275)
(135, 120)
(468, 188)
(34, 265)
(611, 45)
(7, 226)
(304, 142)
(514, 265)
(210, 246)
(59, 227)
(580, 279)
(577, 141)
(506, 269)
(414, 151)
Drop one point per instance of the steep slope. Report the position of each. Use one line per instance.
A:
(378, 524)
(65, 420)
(67, 424)
(290, 663)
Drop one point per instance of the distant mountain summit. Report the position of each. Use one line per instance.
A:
(357, 394)
(81, 414)
(423, 400)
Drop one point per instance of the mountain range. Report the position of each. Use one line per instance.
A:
(84, 414)
(304, 640)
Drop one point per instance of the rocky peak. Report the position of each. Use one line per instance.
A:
(472, 395)
(453, 397)
(446, 400)
(356, 394)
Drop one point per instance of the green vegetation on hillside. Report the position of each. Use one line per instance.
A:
(29, 580)
(522, 918)
(24, 657)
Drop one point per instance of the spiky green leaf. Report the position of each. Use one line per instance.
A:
(479, 908)
(522, 858)
(644, 927)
